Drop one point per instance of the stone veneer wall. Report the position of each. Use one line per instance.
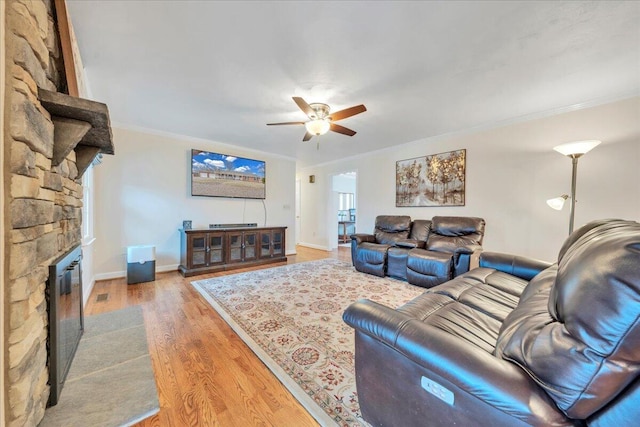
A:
(42, 203)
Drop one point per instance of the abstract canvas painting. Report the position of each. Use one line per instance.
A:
(432, 180)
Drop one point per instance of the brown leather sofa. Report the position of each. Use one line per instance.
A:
(423, 252)
(514, 342)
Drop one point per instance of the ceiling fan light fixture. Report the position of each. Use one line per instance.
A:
(317, 127)
(320, 119)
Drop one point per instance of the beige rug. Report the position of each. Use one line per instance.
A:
(291, 317)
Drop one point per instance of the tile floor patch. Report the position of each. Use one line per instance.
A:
(111, 381)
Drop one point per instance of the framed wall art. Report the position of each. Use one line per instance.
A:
(432, 180)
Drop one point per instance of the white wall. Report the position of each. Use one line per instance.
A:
(142, 195)
(511, 172)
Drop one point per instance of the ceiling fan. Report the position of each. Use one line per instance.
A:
(321, 119)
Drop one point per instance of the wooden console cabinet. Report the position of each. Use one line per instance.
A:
(210, 250)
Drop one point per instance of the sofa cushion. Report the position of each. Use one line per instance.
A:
(428, 268)
(373, 253)
(420, 229)
(576, 330)
(397, 262)
(449, 234)
(390, 228)
(470, 307)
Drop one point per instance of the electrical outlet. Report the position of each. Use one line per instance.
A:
(437, 390)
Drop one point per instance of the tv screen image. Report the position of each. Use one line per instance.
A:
(222, 175)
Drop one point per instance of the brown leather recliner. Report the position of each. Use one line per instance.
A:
(398, 254)
(369, 251)
(514, 342)
(424, 252)
(452, 248)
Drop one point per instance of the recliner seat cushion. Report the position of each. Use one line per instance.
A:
(372, 258)
(576, 330)
(428, 268)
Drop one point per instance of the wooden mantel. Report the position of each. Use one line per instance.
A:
(79, 124)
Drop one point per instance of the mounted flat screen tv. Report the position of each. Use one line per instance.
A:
(222, 175)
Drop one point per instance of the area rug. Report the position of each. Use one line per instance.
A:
(110, 382)
(291, 317)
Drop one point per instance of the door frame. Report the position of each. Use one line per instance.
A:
(332, 208)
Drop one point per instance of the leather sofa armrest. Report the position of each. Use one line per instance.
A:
(465, 368)
(467, 249)
(473, 251)
(519, 266)
(410, 243)
(458, 365)
(362, 238)
(375, 320)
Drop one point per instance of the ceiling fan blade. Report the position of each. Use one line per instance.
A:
(307, 136)
(347, 112)
(285, 123)
(306, 108)
(341, 129)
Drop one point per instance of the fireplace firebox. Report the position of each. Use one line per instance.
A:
(66, 317)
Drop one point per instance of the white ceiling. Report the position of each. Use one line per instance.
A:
(222, 70)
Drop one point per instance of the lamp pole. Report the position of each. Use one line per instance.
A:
(574, 174)
(575, 150)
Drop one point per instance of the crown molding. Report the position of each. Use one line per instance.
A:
(487, 126)
(187, 138)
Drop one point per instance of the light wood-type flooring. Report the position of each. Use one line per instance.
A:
(206, 375)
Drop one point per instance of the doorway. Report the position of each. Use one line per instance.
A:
(344, 208)
(298, 203)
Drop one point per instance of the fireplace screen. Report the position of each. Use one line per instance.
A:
(66, 323)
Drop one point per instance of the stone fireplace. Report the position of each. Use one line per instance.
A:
(42, 193)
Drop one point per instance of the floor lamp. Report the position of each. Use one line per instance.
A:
(574, 150)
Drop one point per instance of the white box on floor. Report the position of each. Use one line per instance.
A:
(141, 264)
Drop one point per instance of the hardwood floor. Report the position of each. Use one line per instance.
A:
(206, 375)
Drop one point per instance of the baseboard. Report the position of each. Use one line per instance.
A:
(123, 273)
(291, 253)
(314, 246)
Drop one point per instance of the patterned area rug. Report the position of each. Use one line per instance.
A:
(291, 317)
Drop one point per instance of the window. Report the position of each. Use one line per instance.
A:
(346, 201)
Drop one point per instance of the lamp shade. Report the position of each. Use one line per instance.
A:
(557, 202)
(577, 148)
(317, 127)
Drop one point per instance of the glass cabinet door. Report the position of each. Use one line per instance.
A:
(235, 247)
(250, 246)
(216, 248)
(278, 243)
(265, 244)
(198, 250)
